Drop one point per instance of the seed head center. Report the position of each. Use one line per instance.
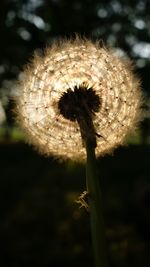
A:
(77, 103)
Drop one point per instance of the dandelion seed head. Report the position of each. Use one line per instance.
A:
(78, 66)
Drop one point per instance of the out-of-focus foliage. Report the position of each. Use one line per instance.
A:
(29, 25)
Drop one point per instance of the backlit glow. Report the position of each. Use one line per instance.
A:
(66, 65)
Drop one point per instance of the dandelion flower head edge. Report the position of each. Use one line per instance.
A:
(68, 66)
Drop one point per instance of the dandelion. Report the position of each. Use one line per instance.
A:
(103, 82)
(77, 100)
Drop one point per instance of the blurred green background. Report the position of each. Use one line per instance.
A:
(40, 223)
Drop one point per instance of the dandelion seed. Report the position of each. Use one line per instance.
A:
(72, 77)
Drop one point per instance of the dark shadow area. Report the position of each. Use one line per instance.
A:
(41, 225)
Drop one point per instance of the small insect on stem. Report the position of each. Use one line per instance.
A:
(82, 201)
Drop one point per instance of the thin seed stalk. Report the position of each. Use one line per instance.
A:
(80, 106)
(95, 202)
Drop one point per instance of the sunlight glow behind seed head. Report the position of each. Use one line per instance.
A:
(66, 65)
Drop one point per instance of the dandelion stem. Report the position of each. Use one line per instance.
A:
(96, 217)
(80, 105)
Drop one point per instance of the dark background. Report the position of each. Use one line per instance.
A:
(40, 223)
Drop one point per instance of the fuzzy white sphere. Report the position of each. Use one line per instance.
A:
(70, 64)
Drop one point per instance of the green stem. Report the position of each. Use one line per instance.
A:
(97, 223)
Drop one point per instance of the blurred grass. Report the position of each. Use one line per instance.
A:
(41, 225)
